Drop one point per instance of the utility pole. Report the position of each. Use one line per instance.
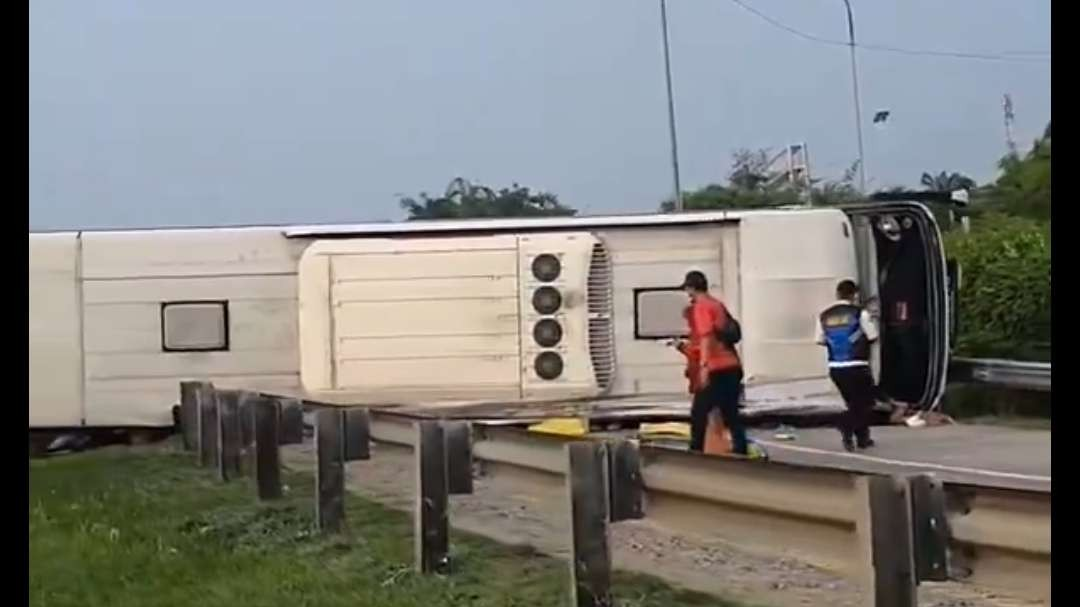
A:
(671, 110)
(855, 90)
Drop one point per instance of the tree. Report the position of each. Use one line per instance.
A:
(947, 182)
(1023, 189)
(750, 170)
(464, 199)
(1005, 301)
(751, 186)
(837, 192)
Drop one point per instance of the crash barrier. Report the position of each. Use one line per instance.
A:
(889, 532)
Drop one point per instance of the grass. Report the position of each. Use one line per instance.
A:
(986, 405)
(145, 527)
(1005, 421)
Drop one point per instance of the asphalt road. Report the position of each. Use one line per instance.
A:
(983, 455)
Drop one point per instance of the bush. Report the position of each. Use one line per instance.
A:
(967, 401)
(1004, 300)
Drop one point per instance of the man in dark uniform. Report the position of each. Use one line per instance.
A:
(846, 330)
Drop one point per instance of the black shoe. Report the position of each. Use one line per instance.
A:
(866, 444)
(849, 446)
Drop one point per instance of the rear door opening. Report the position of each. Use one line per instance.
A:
(905, 285)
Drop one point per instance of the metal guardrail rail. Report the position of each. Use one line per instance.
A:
(995, 536)
(1014, 374)
(1000, 538)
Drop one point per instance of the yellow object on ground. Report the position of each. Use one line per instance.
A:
(563, 426)
(670, 430)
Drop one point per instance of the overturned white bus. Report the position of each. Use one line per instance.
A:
(510, 310)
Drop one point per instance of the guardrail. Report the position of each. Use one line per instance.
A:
(887, 531)
(1014, 374)
(1000, 538)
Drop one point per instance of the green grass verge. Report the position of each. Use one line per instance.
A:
(986, 405)
(145, 527)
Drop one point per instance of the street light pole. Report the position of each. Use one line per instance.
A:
(671, 109)
(855, 90)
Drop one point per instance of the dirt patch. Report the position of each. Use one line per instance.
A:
(529, 510)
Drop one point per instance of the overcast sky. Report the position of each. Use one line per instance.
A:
(203, 112)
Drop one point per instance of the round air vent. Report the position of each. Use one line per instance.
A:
(546, 267)
(547, 333)
(547, 300)
(548, 365)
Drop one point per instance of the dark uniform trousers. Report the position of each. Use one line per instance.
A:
(856, 385)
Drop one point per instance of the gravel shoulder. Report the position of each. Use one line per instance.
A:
(530, 511)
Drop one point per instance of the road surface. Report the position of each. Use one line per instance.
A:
(969, 454)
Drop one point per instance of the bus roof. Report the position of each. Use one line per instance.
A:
(519, 224)
(450, 226)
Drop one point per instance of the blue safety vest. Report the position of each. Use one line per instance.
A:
(844, 338)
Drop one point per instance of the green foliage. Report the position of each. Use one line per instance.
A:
(751, 185)
(1001, 406)
(1004, 303)
(719, 197)
(1023, 189)
(1005, 296)
(464, 199)
(123, 528)
(947, 182)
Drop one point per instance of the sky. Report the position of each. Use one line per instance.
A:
(202, 112)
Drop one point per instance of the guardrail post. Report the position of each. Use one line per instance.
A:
(206, 400)
(330, 471)
(189, 415)
(228, 434)
(267, 413)
(930, 528)
(357, 434)
(432, 529)
(884, 530)
(246, 422)
(459, 461)
(627, 488)
(292, 421)
(590, 556)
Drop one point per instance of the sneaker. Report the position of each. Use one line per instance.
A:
(867, 443)
(848, 445)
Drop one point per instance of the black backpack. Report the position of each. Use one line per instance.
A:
(731, 333)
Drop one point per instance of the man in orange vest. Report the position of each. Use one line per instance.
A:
(717, 437)
(718, 376)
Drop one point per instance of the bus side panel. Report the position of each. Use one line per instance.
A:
(790, 264)
(131, 371)
(411, 318)
(55, 352)
(657, 259)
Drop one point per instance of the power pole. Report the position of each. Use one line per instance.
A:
(855, 94)
(671, 110)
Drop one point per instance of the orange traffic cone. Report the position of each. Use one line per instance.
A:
(717, 436)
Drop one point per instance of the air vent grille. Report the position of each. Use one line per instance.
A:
(600, 303)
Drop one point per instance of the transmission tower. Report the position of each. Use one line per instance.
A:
(1007, 106)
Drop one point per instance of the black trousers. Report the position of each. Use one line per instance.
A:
(856, 385)
(722, 393)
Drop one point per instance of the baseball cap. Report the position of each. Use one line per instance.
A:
(695, 280)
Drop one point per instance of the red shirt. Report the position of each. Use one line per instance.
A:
(692, 365)
(706, 315)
